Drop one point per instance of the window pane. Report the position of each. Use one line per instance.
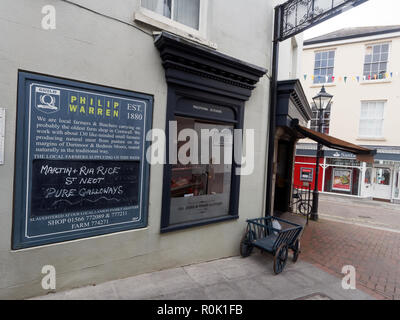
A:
(324, 63)
(331, 54)
(375, 67)
(376, 58)
(317, 64)
(377, 49)
(385, 48)
(162, 7)
(384, 56)
(368, 58)
(367, 68)
(383, 176)
(371, 119)
(325, 55)
(383, 66)
(330, 62)
(202, 191)
(318, 56)
(187, 12)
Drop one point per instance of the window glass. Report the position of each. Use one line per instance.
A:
(383, 176)
(186, 12)
(376, 61)
(324, 66)
(202, 191)
(342, 180)
(371, 119)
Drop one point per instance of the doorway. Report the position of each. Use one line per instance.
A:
(283, 176)
(382, 183)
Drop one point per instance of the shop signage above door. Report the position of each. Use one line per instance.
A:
(80, 160)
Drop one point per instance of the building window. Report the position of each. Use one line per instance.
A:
(186, 12)
(326, 118)
(324, 65)
(371, 119)
(202, 191)
(376, 61)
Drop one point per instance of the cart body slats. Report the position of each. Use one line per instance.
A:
(268, 238)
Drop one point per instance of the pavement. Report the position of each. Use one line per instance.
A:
(355, 232)
(233, 278)
(364, 234)
(380, 215)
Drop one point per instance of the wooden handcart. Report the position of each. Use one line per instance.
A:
(275, 238)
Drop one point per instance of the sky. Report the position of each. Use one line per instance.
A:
(371, 13)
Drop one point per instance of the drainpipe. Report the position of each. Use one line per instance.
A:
(272, 110)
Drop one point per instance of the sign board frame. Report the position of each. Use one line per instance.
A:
(54, 103)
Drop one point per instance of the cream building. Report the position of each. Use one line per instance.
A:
(360, 68)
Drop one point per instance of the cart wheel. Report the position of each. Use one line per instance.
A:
(246, 247)
(280, 258)
(296, 250)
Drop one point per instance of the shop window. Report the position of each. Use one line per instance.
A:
(376, 61)
(383, 176)
(202, 191)
(371, 119)
(186, 12)
(324, 66)
(342, 180)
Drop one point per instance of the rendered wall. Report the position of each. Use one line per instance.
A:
(91, 47)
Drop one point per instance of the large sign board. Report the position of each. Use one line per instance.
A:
(342, 180)
(80, 160)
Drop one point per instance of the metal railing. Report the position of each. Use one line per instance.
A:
(302, 200)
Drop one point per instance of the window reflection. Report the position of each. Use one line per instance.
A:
(202, 190)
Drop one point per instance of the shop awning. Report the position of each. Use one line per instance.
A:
(362, 153)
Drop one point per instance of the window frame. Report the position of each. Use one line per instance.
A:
(168, 24)
(316, 77)
(374, 44)
(366, 137)
(175, 108)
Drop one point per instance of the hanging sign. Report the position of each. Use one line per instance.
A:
(80, 163)
(342, 180)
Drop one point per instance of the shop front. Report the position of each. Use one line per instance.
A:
(343, 174)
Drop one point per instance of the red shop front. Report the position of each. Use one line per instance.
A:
(304, 172)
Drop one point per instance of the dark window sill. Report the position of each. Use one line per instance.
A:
(188, 225)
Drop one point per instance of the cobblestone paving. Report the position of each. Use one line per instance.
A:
(374, 253)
